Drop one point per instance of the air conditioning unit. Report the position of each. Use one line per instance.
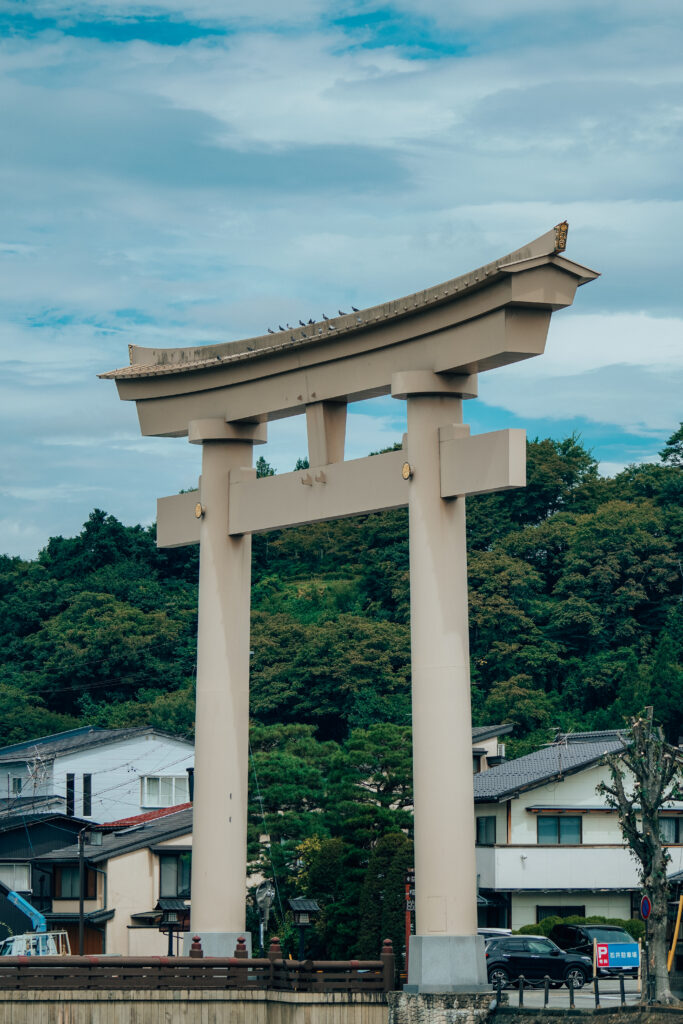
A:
(501, 750)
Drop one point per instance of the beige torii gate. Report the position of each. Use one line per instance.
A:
(427, 349)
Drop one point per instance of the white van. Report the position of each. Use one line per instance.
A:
(36, 944)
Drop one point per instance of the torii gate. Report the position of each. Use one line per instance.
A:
(427, 349)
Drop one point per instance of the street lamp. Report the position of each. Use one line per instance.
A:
(174, 918)
(303, 912)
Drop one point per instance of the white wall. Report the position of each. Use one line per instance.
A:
(36, 781)
(133, 888)
(116, 770)
(599, 904)
(601, 861)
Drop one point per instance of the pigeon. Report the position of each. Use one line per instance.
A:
(341, 312)
(281, 327)
(289, 327)
(325, 317)
(302, 323)
(354, 308)
(271, 331)
(311, 321)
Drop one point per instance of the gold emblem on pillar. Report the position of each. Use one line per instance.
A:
(198, 510)
(406, 471)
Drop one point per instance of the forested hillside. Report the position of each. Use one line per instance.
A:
(576, 621)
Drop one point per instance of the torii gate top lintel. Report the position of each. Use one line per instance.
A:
(491, 316)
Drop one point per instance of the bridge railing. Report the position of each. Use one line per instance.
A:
(271, 973)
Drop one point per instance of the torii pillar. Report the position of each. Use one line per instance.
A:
(427, 348)
(445, 953)
(222, 704)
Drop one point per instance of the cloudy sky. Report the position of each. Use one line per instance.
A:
(187, 171)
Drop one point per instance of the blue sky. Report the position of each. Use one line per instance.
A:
(178, 173)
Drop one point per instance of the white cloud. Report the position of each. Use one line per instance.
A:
(174, 195)
(580, 342)
(636, 399)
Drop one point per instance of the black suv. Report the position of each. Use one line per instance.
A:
(534, 956)
(578, 938)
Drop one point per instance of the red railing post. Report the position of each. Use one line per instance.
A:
(388, 966)
(196, 947)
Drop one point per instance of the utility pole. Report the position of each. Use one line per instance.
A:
(81, 892)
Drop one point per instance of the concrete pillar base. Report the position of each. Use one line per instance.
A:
(443, 1008)
(447, 963)
(217, 943)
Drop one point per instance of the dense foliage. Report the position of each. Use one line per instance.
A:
(576, 623)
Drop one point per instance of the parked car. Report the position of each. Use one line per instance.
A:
(578, 938)
(534, 957)
(493, 933)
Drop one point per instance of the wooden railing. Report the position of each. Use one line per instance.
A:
(271, 973)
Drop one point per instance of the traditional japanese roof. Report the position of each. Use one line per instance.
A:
(487, 732)
(139, 819)
(573, 753)
(74, 740)
(154, 362)
(19, 818)
(137, 837)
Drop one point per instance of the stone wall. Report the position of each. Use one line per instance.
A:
(195, 1007)
(442, 1008)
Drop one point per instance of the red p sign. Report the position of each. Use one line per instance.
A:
(602, 954)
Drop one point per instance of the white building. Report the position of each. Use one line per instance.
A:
(547, 843)
(126, 875)
(98, 774)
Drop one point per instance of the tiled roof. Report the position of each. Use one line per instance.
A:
(588, 737)
(23, 818)
(155, 362)
(487, 732)
(573, 753)
(74, 739)
(139, 819)
(136, 837)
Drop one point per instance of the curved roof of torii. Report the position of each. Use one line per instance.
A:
(150, 362)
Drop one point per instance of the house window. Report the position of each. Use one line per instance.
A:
(17, 786)
(486, 830)
(164, 790)
(559, 829)
(548, 911)
(16, 876)
(174, 872)
(670, 830)
(87, 795)
(67, 883)
(70, 794)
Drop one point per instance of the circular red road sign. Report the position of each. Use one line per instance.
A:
(645, 908)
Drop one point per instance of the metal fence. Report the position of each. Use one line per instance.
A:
(547, 983)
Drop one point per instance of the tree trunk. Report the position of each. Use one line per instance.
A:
(657, 889)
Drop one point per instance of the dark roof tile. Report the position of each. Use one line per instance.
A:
(535, 769)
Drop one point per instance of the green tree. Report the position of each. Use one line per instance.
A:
(381, 908)
(264, 468)
(24, 716)
(645, 778)
(672, 452)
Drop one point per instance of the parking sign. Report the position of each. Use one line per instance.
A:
(602, 954)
